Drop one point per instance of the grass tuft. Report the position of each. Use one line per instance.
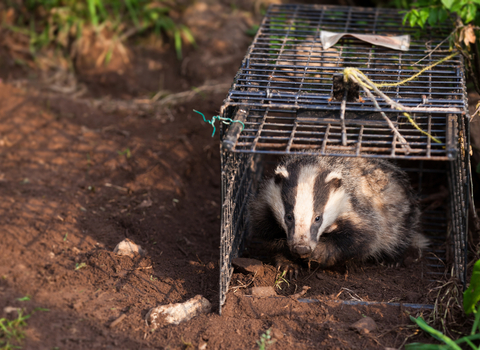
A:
(61, 23)
(12, 331)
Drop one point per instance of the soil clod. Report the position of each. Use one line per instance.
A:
(364, 325)
(128, 248)
(245, 265)
(263, 292)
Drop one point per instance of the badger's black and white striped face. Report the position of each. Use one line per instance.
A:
(306, 201)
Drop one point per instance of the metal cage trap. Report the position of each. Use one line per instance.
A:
(284, 94)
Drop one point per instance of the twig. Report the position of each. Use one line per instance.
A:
(181, 249)
(188, 95)
(402, 140)
(343, 106)
(367, 84)
(301, 293)
(118, 320)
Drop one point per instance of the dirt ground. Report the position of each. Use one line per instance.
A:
(79, 172)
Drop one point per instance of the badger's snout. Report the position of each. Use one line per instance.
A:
(303, 251)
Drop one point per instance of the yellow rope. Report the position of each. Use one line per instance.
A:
(410, 119)
(349, 71)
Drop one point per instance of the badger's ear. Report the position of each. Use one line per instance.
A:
(334, 179)
(336, 183)
(281, 174)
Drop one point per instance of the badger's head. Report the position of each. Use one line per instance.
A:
(306, 201)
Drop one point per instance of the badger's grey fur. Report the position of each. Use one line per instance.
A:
(332, 209)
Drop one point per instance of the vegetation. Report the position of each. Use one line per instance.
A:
(60, 23)
(265, 340)
(465, 36)
(12, 332)
(471, 297)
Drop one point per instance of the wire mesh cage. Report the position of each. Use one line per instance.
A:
(282, 94)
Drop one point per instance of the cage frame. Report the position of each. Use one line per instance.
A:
(243, 166)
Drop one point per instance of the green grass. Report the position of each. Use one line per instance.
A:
(471, 299)
(265, 340)
(13, 332)
(59, 23)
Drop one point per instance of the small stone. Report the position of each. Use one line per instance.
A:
(78, 305)
(129, 248)
(202, 345)
(147, 203)
(277, 334)
(75, 250)
(246, 265)
(177, 313)
(10, 309)
(51, 255)
(364, 325)
(263, 291)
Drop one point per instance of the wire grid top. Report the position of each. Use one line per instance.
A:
(285, 81)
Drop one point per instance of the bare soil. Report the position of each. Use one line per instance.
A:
(80, 174)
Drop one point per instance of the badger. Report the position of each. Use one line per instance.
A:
(333, 209)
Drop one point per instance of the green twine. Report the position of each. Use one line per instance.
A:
(222, 119)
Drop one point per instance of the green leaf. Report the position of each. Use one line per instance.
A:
(413, 18)
(471, 13)
(448, 3)
(472, 295)
(434, 333)
(178, 43)
(420, 346)
(424, 13)
(442, 15)
(433, 16)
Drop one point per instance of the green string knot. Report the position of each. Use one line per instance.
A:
(222, 119)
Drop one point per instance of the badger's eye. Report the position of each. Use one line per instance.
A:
(289, 217)
(317, 219)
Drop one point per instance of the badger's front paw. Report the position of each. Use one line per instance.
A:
(286, 266)
(324, 255)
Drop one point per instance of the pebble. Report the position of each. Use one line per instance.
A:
(10, 309)
(128, 248)
(246, 265)
(263, 291)
(177, 313)
(364, 325)
(277, 334)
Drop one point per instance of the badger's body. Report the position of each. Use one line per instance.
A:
(332, 209)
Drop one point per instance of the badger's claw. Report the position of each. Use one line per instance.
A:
(286, 266)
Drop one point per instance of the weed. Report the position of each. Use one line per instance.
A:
(281, 279)
(61, 23)
(25, 298)
(126, 152)
(187, 344)
(80, 266)
(471, 298)
(12, 332)
(265, 340)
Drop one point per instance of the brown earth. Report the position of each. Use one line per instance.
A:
(78, 174)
